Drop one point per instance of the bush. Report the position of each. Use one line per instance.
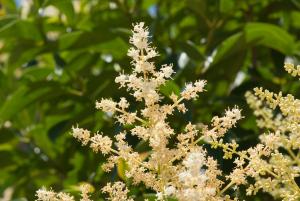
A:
(58, 57)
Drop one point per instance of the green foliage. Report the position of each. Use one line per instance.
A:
(61, 56)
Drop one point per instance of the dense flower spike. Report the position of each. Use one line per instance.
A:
(281, 145)
(182, 170)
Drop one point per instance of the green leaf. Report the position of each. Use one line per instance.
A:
(68, 39)
(232, 51)
(226, 6)
(6, 136)
(7, 158)
(9, 4)
(19, 100)
(77, 162)
(23, 29)
(121, 168)
(36, 74)
(40, 136)
(192, 51)
(270, 36)
(115, 47)
(198, 6)
(52, 120)
(295, 19)
(229, 47)
(229, 58)
(81, 61)
(6, 20)
(22, 54)
(66, 7)
(81, 39)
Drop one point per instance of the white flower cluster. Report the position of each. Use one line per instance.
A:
(82, 135)
(198, 177)
(292, 70)
(280, 146)
(117, 191)
(98, 142)
(180, 168)
(191, 90)
(48, 195)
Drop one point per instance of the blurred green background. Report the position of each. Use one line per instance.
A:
(57, 57)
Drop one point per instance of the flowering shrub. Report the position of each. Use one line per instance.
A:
(183, 170)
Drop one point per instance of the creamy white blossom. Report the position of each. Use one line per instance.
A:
(80, 134)
(176, 164)
(48, 195)
(192, 89)
(106, 105)
(100, 143)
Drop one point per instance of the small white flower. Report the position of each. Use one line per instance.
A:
(123, 104)
(100, 143)
(169, 190)
(80, 134)
(159, 196)
(106, 105)
(167, 70)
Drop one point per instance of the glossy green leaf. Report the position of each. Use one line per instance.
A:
(19, 100)
(270, 36)
(122, 166)
(41, 139)
(192, 51)
(23, 29)
(228, 59)
(115, 48)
